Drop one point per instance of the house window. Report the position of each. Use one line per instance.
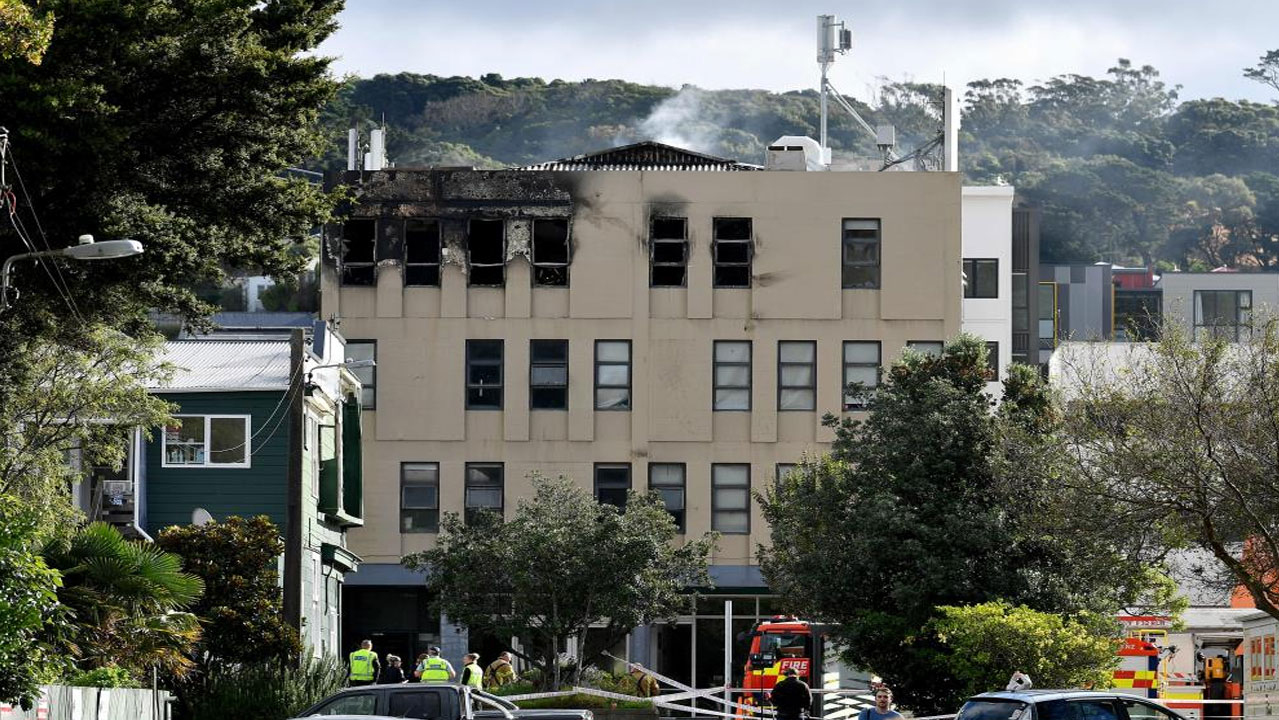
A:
(732, 375)
(861, 253)
(359, 265)
(731, 248)
(612, 374)
(992, 361)
(667, 480)
(931, 348)
(668, 245)
(483, 489)
(548, 375)
(486, 252)
(208, 441)
(483, 374)
(861, 366)
(731, 499)
(612, 482)
(419, 497)
(784, 469)
(796, 375)
(550, 252)
(364, 350)
(422, 253)
(1219, 314)
(981, 278)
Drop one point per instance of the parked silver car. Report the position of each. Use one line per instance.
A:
(1064, 705)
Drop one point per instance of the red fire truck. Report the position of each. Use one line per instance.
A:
(779, 643)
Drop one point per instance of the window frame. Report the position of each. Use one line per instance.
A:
(630, 376)
(369, 403)
(205, 443)
(879, 372)
(410, 265)
(501, 375)
(595, 484)
(534, 363)
(778, 474)
(1243, 314)
(846, 242)
(917, 346)
(654, 241)
(681, 520)
(405, 508)
(717, 242)
(971, 290)
(781, 365)
(715, 506)
(716, 364)
(344, 279)
(550, 265)
(467, 485)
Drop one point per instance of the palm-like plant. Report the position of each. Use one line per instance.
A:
(126, 598)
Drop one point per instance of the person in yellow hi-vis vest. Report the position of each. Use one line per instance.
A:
(434, 669)
(472, 675)
(364, 665)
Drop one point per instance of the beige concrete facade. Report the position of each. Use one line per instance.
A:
(795, 294)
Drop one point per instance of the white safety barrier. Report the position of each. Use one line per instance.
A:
(62, 702)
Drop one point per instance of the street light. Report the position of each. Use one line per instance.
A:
(87, 249)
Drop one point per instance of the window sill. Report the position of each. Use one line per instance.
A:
(341, 519)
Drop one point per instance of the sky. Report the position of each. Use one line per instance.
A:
(771, 45)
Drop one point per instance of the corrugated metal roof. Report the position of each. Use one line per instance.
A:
(220, 365)
(644, 156)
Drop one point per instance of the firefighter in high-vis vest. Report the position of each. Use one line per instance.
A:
(434, 669)
(364, 665)
(472, 675)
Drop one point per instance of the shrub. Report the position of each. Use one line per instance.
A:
(261, 691)
(109, 676)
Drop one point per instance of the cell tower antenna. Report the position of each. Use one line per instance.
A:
(833, 38)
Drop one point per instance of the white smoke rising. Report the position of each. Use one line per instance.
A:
(681, 121)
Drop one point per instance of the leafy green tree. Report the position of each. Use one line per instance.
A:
(924, 504)
(561, 567)
(167, 122)
(24, 30)
(58, 396)
(126, 599)
(241, 608)
(986, 643)
(1266, 71)
(28, 608)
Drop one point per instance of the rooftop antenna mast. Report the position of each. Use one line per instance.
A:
(833, 37)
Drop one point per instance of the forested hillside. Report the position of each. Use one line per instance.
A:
(1122, 170)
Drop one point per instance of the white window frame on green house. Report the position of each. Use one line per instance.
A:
(204, 452)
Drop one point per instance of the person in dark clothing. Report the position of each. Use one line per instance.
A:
(791, 696)
(393, 673)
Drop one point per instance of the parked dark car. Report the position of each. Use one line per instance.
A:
(430, 701)
(1064, 705)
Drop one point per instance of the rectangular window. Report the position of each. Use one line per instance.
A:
(932, 348)
(359, 264)
(422, 253)
(612, 482)
(796, 375)
(667, 480)
(483, 489)
(548, 375)
(550, 252)
(861, 366)
(612, 374)
(992, 361)
(364, 350)
(981, 278)
(419, 497)
(784, 469)
(208, 441)
(731, 499)
(1219, 314)
(483, 374)
(668, 247)
(732, 247)
(486, 252)
(732, 375)
(861, 253)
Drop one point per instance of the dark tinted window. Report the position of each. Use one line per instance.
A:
(361, 704)
(422, 705)
(994, 710)
(1094, 710)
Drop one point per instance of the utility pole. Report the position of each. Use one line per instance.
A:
(293, 484)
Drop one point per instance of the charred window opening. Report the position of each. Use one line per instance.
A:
(486, 246)
(732, 249)
(668, 247)
(422, 253)
(550, 252)
(358, 262)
